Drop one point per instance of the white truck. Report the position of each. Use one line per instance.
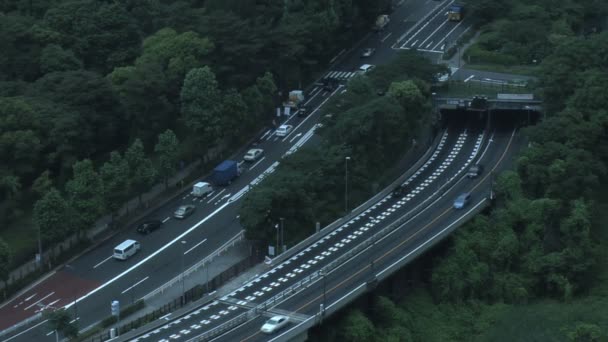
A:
(201, 189)
(295, 98)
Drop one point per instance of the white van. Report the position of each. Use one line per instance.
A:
(126, 249)
(201, 189)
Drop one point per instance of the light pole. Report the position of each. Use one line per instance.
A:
(346, 159)
(73, 296)
(324, 286)
(39, 259)
(183, 242)
(276, 227)
(282, 242)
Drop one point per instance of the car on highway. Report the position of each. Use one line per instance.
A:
(302, 111)
(283, 130)
(462, 200)
(365, 68)
(475, 171)
(184, 211)
(149, 226)
(400, 190)
(367, 52)
(253, 154)
(274, 324)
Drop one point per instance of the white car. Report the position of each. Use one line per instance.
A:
(365, 68)
(274, 324)
(253, 154)
(368, 52)
(283, 130)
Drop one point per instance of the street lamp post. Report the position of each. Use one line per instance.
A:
(324, 292)
(39, 248)
(183, 242)
(282, 233)
(276, 227)
(346, 185)
(74, 301)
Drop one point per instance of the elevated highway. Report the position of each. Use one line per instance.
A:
(326, 274)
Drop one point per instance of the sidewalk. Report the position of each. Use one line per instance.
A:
(457, 61)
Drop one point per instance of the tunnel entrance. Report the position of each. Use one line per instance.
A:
(505, 111)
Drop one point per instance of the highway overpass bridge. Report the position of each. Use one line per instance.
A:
(344, 260)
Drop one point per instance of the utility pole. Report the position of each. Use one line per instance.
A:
(183, 242)
(346, 185)
(282, 234)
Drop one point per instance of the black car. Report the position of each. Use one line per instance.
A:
(329, 84)
(400, 190)
(149, 226)
(302, 111)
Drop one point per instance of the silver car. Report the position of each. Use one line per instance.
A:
(253, 154)
(274, 324)
(184, 211)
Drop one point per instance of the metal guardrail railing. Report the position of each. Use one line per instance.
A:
(176, 280)
(310, 279)
(21, 324)
(337, 223)
(313, 277)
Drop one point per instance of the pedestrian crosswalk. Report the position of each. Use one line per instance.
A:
(339, 75)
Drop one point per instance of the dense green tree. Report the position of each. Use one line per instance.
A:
(54, 58)
(60, 321)
(167, 149)
(53, 216)
(100, 115)
(356, 327)
(176, 53)
(43, 183)
(116, 183)
(585, 332)
(202, 107)
(102, 34)
(143, 91)
(238, 119)
(141, 170)
(85, 195)
(5, 261)
(10, 185)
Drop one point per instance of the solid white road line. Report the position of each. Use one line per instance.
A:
(139, 282)
(40, 300)
(469, 78)
(316, 109)
(198, 244)
(104, 260)
(449, 33)
(256, 164)
(166, 219)
(491, 140)
(26, 330)
(386, 37)
(295, 137)
(212, 198)
(159, 250)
